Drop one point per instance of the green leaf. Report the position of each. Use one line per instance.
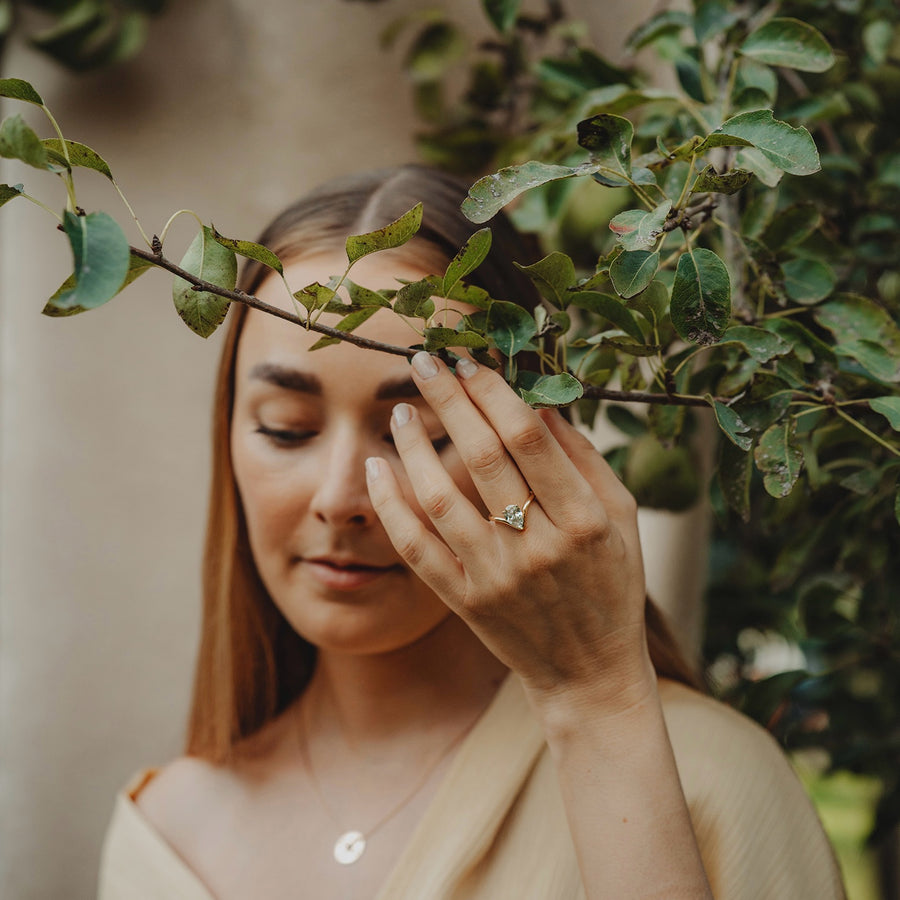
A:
(632, 271)
(865, 332)
(731, 424)
(316, 296)
(779, 458)
(490, 194)
(733, 472)
(18, 141)
(502, 13)
(17, 89)
(250, 250)
(101, 255)
(755, 161)
(364, 298)
(698, 146)
(711, 18)
(436, 47)
(470, 256)
(889, 407)
(666, 22)
(791, 150)
(394, 234)
(438, 338)
(727, 183)
(636, 229)
(207, 259)
(136, 267)
(701, 297)
(608, 139)
(79, 155)
(791, 226)
(765, 403)
(652, 303)
(552, 390)
(808, 281)
(552, 275)
(610, 308)
(9, 192)
(762, 345)
(789, 43)
(412, 299)
(510, 326)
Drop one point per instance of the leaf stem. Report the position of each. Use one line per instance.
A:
(43, 206)
(864, 430)
(140, 228)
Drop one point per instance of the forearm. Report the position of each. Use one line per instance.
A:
(623, 799)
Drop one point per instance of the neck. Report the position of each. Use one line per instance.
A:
(434, 686)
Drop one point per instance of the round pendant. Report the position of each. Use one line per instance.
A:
(349, 847)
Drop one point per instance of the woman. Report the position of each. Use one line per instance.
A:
(397, 694)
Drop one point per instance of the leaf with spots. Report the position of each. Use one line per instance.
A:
(203, 311)
(701, 297)
(779, 459)
(394, 234)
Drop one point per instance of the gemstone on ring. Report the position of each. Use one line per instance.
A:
(514, 515)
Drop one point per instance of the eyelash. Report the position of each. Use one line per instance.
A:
(285, 438)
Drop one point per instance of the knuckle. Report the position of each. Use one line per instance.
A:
(530, 439)
(436, 503)
(411, 548)
(487, 458)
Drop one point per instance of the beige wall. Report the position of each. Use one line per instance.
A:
(233, 110)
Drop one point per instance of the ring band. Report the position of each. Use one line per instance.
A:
(514, 515)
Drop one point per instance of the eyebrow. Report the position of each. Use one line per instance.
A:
(303, 382)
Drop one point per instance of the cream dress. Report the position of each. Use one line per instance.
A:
(496, 828)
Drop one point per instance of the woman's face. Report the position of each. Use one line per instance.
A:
(303, 425)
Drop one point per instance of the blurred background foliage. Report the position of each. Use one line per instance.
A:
(802, 604)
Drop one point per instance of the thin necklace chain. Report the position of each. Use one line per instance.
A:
(306, 759)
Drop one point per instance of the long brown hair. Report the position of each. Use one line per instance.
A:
(251, 663)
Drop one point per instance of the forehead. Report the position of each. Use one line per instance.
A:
(266, 340)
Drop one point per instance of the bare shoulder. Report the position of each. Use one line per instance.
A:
(183, 795)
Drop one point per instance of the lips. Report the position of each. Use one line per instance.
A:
(345, 574)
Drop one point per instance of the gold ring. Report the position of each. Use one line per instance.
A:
(514, 515)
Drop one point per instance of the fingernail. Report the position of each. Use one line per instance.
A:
(402, 413)
(425, 365)
(373, 470)
(465, 368)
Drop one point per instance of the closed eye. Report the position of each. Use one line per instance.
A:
(284, 437)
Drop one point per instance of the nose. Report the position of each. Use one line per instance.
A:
(340, 498)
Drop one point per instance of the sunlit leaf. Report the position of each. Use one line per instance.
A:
(101, 255)
(79, 155)
(316, 296)
(701, 297)
(203, 311)
(394, 234)
(789, 43)
(791, 150)
(551, 390)
(490, 194)
(251, 250)
(779, 459)
(439, 337)
(467, 259)
(631, 271)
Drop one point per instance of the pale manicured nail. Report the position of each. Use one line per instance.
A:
(373, 469)
(425, 365)
(465, 368)
(402, 413)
